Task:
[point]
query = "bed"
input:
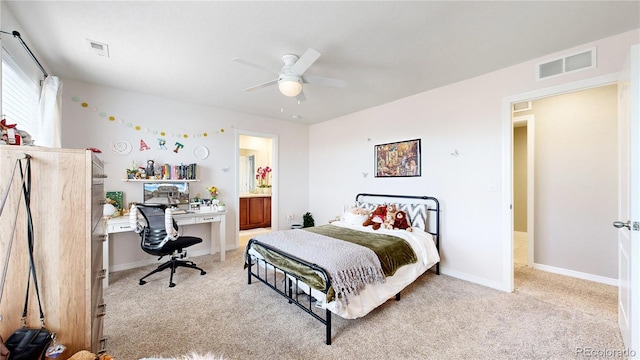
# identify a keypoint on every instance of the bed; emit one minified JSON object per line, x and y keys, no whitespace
{"x":345,"y":268}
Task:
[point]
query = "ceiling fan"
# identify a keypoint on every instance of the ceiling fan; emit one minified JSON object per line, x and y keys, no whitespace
{"x":291,"y":76}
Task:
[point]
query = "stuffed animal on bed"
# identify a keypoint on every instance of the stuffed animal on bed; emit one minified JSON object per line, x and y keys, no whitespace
{"x":391,"y":216}
{"x":376,"y":218}
{"x":354,"y":216}
{"x":401,"y":221}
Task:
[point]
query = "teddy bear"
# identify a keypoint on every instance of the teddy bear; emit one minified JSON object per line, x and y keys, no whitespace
{"x":376,"y":218}
{"x":401,"y":222}
{"x":391,"y":216}
{"x":353,"y":216}
{"x":12,"y":137}
{"x":86,"y":355}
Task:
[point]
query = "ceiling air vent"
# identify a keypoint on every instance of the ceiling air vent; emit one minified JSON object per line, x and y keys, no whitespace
{"x":98,"y":48}
{"x":582,"y":60}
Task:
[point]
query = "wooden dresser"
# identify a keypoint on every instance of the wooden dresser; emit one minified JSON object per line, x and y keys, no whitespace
{"x":66,"y":204}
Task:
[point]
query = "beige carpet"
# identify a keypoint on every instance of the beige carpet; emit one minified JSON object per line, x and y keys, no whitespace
{"x":549,"y":316}
{"x":246,"y":235}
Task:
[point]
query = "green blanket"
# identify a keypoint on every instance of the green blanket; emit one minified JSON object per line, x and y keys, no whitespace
{"x":392,"y":252}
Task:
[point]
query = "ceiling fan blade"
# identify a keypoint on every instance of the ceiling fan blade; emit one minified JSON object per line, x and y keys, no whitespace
{"x":249,"y":63}
{"x":317,"y":80}
{"x":301,"y":97}
{"x":263,"y":85}
{"x":305,"y":61}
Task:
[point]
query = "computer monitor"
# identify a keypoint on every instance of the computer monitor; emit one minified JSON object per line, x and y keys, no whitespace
{"x":170,"y":193}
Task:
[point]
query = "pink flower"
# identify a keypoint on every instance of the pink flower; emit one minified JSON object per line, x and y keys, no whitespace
{"x":262,"y":176}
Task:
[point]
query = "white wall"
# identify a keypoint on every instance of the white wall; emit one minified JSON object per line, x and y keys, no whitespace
{"x":576,"y":193}
{"x":15,"y":48}
{"x":90,"y":127}
{"x":466,"y":116}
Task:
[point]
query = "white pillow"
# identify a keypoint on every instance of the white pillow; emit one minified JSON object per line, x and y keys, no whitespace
{"x":354,"y":219}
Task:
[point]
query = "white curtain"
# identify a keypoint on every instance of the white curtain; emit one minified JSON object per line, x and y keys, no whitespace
{"x":50,"y":113}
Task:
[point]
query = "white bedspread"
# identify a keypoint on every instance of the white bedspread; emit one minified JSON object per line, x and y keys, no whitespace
{"x":373,"y":296}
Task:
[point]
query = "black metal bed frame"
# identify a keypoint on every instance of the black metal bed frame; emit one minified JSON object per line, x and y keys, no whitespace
{"x":286,"y":283}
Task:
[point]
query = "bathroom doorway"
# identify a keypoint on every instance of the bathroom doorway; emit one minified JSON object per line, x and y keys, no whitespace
{"x":256,"y":184}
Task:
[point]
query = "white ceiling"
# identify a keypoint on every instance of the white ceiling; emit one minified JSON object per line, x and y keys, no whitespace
{"x":384,"y":50}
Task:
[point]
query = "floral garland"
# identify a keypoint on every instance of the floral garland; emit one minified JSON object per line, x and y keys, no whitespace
{"x":112,"y":118}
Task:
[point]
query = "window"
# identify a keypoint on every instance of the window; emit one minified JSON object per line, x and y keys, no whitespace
{"x":20,"y":95}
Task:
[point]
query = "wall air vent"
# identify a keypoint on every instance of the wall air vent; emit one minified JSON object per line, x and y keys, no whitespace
{"x":98,"y":48}
{"x":581,"y":60}
{"x":521,"y":106}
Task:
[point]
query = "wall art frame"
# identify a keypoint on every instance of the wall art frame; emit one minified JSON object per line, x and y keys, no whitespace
{"x":398,"y":159}
{"x":117,"y":197}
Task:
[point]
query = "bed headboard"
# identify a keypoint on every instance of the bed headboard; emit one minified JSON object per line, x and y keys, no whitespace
{"x":416,"y":206}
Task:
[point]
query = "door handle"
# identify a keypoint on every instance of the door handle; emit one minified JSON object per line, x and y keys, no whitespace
{"x":620,"y":224}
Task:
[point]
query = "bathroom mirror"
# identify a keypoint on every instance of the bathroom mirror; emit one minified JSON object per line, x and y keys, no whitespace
{"x":254,"y":152}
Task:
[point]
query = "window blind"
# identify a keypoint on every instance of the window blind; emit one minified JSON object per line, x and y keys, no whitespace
{"x":20,"y":95}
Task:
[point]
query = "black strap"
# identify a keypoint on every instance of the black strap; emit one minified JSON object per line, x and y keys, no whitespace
{"x":26,"y":191}
{"x":3,"y":201}
{"x":5,"y":195}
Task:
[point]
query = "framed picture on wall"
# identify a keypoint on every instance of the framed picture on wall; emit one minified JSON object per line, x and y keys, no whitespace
{"x":398,"y":159}
{"x":117,"y":197}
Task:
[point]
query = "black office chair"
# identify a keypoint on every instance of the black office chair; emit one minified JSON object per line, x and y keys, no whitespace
{"x":159,"y":236}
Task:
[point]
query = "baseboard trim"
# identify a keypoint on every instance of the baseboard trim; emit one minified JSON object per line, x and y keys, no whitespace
{"x":474,"y":279}
{"x":577,"y":274}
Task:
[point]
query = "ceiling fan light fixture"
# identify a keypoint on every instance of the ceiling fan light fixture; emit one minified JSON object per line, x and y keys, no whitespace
{"x":290,"y":85}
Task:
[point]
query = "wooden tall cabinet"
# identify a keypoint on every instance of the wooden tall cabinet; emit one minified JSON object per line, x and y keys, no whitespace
{"x":66,"y":205}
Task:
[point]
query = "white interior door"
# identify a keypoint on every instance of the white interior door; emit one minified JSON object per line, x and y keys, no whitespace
{"x":628,"y":221}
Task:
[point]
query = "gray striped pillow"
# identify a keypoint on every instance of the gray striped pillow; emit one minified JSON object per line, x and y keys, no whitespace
{"x":417,"y":214}
{"x":366,"y":205}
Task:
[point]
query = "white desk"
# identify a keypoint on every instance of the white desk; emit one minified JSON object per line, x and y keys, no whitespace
{"x":121,"y":224}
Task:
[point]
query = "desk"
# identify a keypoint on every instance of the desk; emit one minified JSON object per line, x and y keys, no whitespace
{"x":121,"y":224}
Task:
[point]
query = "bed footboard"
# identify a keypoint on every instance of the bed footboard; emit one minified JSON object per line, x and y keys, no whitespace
{"x":288,"y":283}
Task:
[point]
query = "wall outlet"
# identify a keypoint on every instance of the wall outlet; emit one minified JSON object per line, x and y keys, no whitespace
{"x":494,"y":186}
{"x":289,"y":218}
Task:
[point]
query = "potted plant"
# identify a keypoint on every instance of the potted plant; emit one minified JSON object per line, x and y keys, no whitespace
{"x":214,"y":192}
{"x":131,"y":173}
{"x":262,"y":176}
{"x":307,"y":220}
{"x":222,"y":206}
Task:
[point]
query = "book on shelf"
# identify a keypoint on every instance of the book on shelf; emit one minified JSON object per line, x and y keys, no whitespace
{"x":179,"y":172}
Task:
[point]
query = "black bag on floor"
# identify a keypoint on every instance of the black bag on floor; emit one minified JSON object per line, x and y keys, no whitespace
{"x":28,"y":344}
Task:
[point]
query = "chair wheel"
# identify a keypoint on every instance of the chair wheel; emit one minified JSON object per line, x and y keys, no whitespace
{"x":172,"y":284}
{"x":142,"y":282}
{"x":202,"y":272}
